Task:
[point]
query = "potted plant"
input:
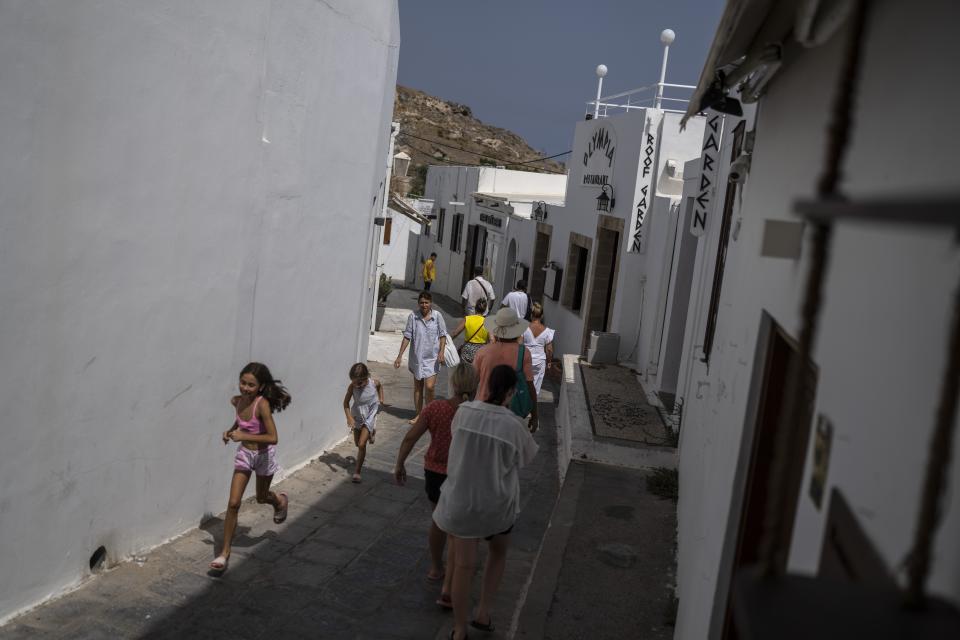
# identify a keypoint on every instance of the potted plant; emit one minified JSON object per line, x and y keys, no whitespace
{"x":386,"y":287}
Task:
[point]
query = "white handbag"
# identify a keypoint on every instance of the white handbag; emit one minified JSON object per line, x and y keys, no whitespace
{"x":450,"y":356}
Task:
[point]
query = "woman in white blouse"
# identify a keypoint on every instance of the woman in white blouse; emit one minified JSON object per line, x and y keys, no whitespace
{"x":481,"y":496}
{"x":538,"y":339}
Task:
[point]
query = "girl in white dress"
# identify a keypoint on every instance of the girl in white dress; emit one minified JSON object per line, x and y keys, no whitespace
{"x":367,"y":396}
{"x":538,"y":339}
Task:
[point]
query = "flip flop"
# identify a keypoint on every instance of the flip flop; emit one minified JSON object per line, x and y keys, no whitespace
{"x":220,"y":563}
{"x":445,"y":601}
{"x":279,"y":515}
{"x":355,"y":479}
{"x":483,"y":627}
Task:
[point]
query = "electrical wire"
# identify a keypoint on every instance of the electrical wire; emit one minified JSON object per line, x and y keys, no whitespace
{"x":482,"y":155}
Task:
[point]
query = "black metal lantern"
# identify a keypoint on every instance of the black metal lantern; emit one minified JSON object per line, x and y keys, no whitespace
{"x":605,"y":202}
{"x":540,"y":211}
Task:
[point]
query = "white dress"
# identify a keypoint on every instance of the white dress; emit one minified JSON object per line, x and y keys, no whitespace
{"x":538,"y":354}
{"x":366,"y":406}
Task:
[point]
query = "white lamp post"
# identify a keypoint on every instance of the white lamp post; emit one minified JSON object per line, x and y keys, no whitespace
{"x":601,"y":71}
{"x":667,"y":36}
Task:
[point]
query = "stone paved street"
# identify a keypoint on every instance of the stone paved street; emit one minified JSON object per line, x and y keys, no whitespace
{"x":350,"y":561}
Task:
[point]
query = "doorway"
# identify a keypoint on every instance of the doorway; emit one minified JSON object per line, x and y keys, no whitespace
{"x":510,"y":276}
{"x":491,"y":256}
{"x":604,"y":279}
{"x":474,"y":253}
{"x":776,"y":351}
{"x":538,"y":274}
{"x":683,"y":260}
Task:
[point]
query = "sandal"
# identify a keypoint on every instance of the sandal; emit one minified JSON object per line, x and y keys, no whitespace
{"x":355,"y":479}
{"x":435,"y":578}
{"x":279,"y":515}
{"x":445,"y":601}
{"x":483,"y":627}
{"x":220,"y":563}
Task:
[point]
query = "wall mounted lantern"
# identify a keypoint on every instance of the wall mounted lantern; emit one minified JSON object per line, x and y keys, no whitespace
{"x":605,"y":202}
{"x":401,"y":163}
{"x":540,"y":210}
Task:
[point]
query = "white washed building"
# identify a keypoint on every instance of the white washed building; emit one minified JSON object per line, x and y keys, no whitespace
{"x":477,"y":209}
{"x":184,"y":187}
{"x":873,"y":384}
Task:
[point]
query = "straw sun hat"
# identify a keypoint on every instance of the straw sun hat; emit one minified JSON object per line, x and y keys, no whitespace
{"x":506,"y":325}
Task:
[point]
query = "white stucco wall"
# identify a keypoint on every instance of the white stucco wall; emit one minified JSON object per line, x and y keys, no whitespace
{"x":181,"y":189}
{"x":445,"y":182}
{"x":881,"y":348}
{"x":399,"y":257}
{"x":638,"y":286}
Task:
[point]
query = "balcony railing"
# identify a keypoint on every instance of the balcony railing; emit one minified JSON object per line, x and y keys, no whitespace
{"x":651,"y":96}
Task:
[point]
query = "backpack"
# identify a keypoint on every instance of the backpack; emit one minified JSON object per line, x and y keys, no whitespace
{"x":522,"y":403}
{"x":485,"y":296}
{"x":529,"y":314}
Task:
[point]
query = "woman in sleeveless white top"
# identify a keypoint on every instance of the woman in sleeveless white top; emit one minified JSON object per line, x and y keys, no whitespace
{"x":539,"y":346}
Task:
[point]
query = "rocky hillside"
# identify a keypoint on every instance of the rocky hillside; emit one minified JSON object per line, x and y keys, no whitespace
{"x":435,"y":131}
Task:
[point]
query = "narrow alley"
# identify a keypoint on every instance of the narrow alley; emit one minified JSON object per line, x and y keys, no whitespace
{"x":350,"y":561}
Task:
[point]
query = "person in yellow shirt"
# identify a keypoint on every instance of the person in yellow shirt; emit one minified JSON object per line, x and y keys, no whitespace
{"x":475,"y":334}
{"x":429,"y":271}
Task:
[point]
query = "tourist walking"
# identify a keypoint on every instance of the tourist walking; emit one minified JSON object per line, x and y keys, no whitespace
{"x":260,"y":396}
{"x":481,"y":496}
{"x":538,"y":339}
{"x":426,"y":335}
{"x":508,"y":349}
{"x":518,"y":300}
{"x":477,"y":288}
{"x":367,"y":396}
{"x":436,"y":418}
{"x":429,"y":271}
{"x":476,"y":334}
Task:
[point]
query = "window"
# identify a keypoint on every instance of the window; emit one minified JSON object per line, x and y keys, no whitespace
{"x":725,"y":224}
{"x":387,"y":228}
{"x":443,"y":217}
{"x":456,"y":233}
{"x":578,"y":256}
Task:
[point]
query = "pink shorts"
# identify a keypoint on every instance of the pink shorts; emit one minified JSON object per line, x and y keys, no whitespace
{"x":262,"y":463}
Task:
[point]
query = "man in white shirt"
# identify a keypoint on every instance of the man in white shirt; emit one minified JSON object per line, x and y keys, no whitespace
{"x":518,"y":300}
{"x":476,"y":289}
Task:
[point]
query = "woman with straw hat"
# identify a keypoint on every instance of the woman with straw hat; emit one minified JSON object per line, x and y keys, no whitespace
{"x":507,"y":330}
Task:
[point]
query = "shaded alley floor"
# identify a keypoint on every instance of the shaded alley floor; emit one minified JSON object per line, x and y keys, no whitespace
{"x":349,"y":562}
{"x":607,"y":564}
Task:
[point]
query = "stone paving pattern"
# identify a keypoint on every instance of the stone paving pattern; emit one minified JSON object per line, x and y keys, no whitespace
{"x":618,"y":406}
{"x":349,"y":562}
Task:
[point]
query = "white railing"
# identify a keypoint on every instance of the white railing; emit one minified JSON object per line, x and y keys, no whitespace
{"x":650,"y":96}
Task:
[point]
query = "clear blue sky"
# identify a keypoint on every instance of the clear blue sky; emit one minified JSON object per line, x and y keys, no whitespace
{"x":528,"y":65}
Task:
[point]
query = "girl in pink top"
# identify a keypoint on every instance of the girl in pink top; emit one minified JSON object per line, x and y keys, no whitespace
{"x":436,"y":418}
{"x":260,"y":395}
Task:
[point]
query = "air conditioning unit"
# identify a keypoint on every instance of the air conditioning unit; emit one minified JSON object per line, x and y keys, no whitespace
{"x":603,"y":347}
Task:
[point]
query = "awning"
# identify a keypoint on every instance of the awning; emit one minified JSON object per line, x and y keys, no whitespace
{"x":399,"y":205}
{"x":753,"y":40}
